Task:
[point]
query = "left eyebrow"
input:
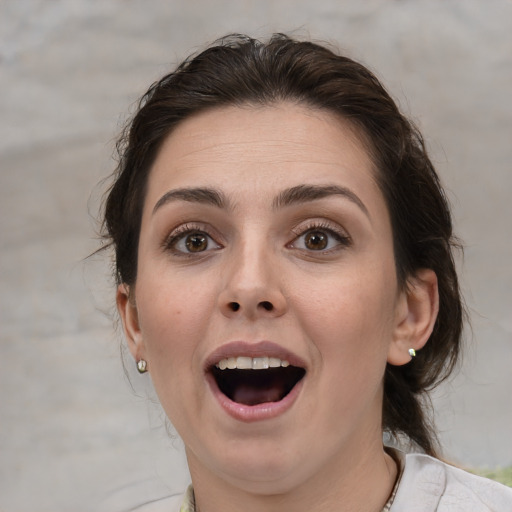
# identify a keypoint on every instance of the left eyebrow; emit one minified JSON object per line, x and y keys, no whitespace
{"x":306,"y":193}
{"x":200,"y":195}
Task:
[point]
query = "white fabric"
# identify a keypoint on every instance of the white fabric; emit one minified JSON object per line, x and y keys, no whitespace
{"x":429,"y":485}
{"x":426,"y":485}
{"x":169,"y":504}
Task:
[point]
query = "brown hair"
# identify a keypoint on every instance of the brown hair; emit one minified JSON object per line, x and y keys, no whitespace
{"x":239,"y":70}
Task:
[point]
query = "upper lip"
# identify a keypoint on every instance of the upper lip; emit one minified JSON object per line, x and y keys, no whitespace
{"x":249,"y":349}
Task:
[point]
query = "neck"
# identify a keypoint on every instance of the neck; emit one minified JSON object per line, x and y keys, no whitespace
{"x":359,"y":482}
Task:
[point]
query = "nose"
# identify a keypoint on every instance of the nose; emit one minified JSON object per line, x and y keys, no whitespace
{"x":252,"y":287}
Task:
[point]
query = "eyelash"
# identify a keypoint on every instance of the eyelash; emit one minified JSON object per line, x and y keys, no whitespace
{"x":180,"y":233}
{"x":340,"y":236}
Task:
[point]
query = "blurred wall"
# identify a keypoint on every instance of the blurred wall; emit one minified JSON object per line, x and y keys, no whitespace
{"x":73,"y":434}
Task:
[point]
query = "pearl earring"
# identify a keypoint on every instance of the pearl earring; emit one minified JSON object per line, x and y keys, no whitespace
{"x":142,"y":366}
{"x":412,"y":352}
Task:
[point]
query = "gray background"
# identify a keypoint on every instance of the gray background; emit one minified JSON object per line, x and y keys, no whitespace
{"x":73,"y":434}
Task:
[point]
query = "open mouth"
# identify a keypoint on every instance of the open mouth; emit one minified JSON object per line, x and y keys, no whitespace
{"x":258,"y":380}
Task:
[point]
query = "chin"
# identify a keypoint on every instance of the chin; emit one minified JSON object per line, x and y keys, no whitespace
{"x":261,"y":467}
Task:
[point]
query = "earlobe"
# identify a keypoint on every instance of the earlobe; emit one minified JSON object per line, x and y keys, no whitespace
{"x":417,"y":310}
{"x":130,"y":319}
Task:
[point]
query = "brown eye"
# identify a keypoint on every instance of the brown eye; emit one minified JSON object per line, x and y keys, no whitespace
{"x":316,"y":240}
{"x":320,"y":239}
{"x":196,"y":242}
{"x":191,"y":242}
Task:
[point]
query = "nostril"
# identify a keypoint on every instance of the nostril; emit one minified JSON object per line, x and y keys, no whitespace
{"x":234,"y":306}
{"x":268,"y":306}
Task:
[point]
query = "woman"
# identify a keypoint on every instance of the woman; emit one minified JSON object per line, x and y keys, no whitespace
{"x":283,"y":254}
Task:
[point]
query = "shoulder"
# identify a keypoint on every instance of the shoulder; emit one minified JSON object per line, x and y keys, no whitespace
{"x":429,"y":485}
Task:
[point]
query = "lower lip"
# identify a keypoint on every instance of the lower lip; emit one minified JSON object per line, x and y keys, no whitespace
{"x":252,"y":413}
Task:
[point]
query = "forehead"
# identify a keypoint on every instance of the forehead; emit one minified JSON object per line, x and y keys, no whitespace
{"x":256,"y":148}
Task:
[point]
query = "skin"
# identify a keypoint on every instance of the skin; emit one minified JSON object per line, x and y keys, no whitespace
{"x":338,"y":308}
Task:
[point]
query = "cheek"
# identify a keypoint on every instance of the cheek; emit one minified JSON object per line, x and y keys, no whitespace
{"x":174,"y":317}
{"x":350,"y":321}
{"x":173,"y":314}
{"x":357,"y":301}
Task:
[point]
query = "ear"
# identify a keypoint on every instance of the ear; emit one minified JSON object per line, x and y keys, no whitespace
{"x":130,"y":319}
{"x":417,"y":310}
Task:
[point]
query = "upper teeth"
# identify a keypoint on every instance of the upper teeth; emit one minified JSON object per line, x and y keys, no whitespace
{"x":251,"y":363}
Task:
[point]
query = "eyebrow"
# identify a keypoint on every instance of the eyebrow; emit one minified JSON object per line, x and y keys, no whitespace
{"x":294,"y":195}
{"x":208,"y":196}
{"x":306,"y":193}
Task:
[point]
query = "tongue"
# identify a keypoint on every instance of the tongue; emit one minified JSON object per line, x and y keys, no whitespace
{"x":250,"y":395}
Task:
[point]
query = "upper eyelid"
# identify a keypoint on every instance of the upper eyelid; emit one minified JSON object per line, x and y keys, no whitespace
{"x":298,"y":230}
{"x":188,"y":227}
{"x":335,"y":231}
{"x":320,"y":224}
{"x":191,"y":226}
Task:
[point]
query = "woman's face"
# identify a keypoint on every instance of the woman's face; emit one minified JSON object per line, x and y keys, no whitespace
{"x":266,"y":242}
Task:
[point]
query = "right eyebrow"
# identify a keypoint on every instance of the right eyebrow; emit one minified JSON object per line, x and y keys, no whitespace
{"x":193,"y":195}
